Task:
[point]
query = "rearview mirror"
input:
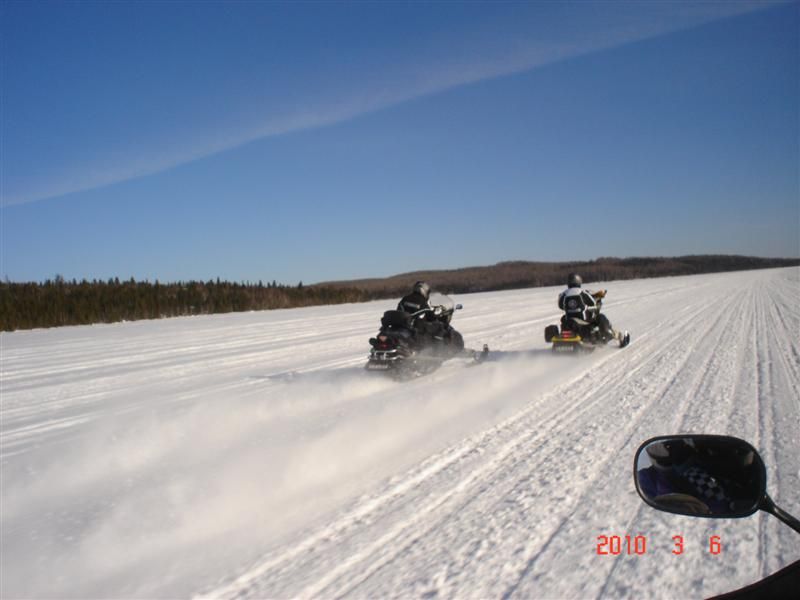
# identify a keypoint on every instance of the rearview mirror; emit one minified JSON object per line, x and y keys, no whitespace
{"x":700,"y":475}
{"x":459,"y":307}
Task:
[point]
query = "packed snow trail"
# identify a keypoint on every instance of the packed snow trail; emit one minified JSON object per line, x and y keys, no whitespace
{"x":249,"y":456}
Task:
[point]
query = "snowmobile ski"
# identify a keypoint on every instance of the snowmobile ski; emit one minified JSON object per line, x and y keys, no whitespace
{"x":625,"y":339}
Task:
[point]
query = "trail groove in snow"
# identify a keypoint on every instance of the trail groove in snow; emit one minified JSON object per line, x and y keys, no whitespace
{"x":249,"y":456}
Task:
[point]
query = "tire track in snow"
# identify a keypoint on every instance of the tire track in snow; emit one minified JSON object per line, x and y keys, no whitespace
{"x":766,"y":426}
{"x":660,"y":409}
{"x":362,"y":512}
{"x":515,"y":504}
{"x":782,"y":428}
{"x":714,"y":389}
{"x":424,"y":535}
{"x":320,"y":588}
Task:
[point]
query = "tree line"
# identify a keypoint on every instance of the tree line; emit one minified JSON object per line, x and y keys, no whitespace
{"x":59,"y":302}
{"x":526,"y":274}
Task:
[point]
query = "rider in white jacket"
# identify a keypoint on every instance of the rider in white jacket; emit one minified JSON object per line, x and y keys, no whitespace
{"x":582,"y":304}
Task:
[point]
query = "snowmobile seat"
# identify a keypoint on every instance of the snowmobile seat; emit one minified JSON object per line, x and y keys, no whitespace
{"x":394,"y":319}
{"x":573,"y":322}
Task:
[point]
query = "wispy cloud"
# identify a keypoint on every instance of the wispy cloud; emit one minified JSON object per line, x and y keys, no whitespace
{"x":444,"y":71}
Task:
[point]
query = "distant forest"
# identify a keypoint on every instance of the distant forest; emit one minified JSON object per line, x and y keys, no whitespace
{"x":60,"y":302}
{"x":523,"y":274}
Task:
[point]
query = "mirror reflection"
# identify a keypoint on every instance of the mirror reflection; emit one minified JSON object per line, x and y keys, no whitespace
{"x":712,"y":476}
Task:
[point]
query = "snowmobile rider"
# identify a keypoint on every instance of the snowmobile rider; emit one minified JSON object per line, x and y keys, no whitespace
{"x":429,"y":324}
{"x":583,"y":304}
{"x":417,"y":300}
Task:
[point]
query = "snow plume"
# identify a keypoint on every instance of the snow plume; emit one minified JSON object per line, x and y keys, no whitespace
{"x":164,"y":481}
{"x":231,"y":474}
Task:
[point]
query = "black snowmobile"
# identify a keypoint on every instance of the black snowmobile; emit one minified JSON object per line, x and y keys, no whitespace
{"x":579,"y":334}
{"x":414,"y":344}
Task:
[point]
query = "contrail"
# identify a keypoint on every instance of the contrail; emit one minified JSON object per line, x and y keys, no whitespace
{"x":407,"y":84}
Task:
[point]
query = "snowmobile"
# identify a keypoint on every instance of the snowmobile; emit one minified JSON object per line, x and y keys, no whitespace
{"x":713,"y":476}
{"x":414,"y":344}
{"x":578,"y":334}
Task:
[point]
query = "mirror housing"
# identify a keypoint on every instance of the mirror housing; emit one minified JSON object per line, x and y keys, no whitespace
{"x":712,"y":476}
{"x":459,"y":306}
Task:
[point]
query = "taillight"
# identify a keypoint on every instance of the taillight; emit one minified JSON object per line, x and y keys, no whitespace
{"x":384,"y":342}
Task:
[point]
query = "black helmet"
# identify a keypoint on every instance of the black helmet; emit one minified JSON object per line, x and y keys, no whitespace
{"x":423,"y":289}
{"x":574,"y":280}
{"x":669,"y":453}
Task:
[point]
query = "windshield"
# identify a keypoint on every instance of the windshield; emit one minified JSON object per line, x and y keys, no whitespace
{"x":437,"y":299}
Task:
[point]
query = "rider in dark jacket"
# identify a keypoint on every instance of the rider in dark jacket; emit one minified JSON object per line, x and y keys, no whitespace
{"x":430,"y":323}
{"x":417,"y":300}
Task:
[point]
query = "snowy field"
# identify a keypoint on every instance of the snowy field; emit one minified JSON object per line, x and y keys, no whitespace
{"x":250,"y":456}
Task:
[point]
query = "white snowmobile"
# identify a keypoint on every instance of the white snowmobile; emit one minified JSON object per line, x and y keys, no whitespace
{"x":583,"y":328}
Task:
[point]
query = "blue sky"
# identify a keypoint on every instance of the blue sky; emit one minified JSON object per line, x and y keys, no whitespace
{"x":329,"y":140}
